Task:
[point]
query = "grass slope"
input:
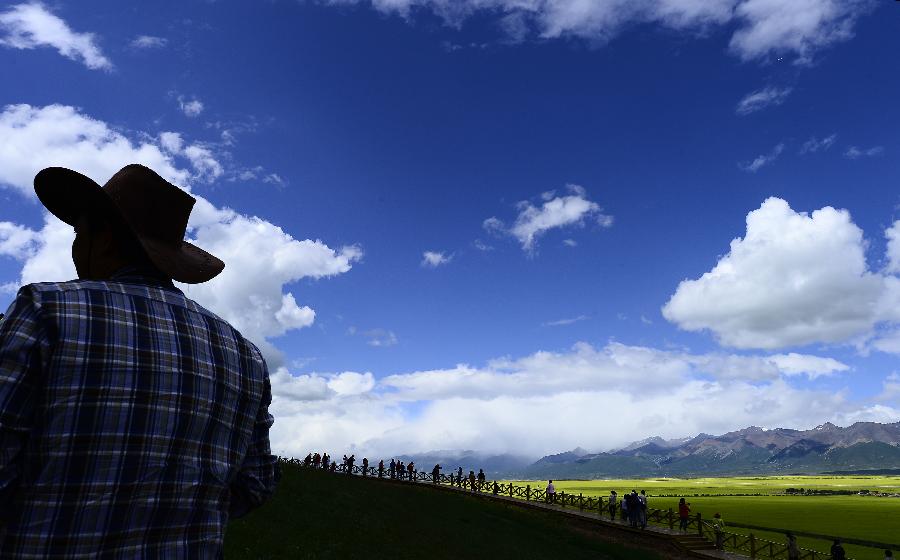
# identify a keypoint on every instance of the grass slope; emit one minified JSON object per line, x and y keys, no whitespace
{"x":861,"y":517}
{"x":321,"y":515}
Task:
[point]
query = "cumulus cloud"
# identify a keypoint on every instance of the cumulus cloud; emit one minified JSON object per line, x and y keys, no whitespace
{"x":556,"y":212}
{"x":854,"y":152}
{"x":35,"y":137}
{"x":793,"y":279}
{"x":261,"y":259}
{"x":31,"y":25}
{"x":762,"y":98}
{"x":763,"y":27}
{"x":17,"y":241}
{"x":149,"y":42}
{"x":762,"y":160}
{"x":434,"y":259}
{"x":533,"y":402}
{"x":190,"y":107}
{"x":814,"y":145}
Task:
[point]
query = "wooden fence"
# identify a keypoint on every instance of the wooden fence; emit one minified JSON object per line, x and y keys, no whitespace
{"x":745,"y":544}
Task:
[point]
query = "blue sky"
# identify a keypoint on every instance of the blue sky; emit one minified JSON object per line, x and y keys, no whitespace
{"x":465,"y":225}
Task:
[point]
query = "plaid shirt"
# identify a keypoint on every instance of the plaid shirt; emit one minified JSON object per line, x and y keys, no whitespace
{"x":133,"y":422}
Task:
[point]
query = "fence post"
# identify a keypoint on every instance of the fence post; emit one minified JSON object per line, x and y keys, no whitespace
{"x":671,"y":520}
{"x":581,"y":501}
{"x":699,"y":524}
{"x":600,"y":505}
{"x":562,"y":500}
{"x":752,"y":546}
{"x":527,"y":492}
{"x":510,"y":490}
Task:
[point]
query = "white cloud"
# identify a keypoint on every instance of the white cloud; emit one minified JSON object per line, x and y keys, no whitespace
{"x":16,"y":241}
{"x":760,"y":99}
{"x":570,"y":243}
{"x":854,"y":152}
{"x":351,"y":383}
{"x":812,"y":366}
{"x":31,"y":25}
{"x":890,"y":388}
{"x":380,"y":338}
{"x":434,"y":259}
{"x":893,"y":248}
{"x":190,"y":107}
{"x":798,"y":27}
{"x":564,"y":322}
{"x":764,"y":28}
{"x":551,"y":401}
{"x":482,"y":246}
{"x":32,"y":138}
{"x":261,"y":259}
{"x":149,"y":42}
{"x":555,"y":212}
{"x":793,"y":279}
{"x":814,"y":145}
{"x":762,"y":160}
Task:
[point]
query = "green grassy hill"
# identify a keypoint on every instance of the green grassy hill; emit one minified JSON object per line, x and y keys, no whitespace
{"x":322,"y":515}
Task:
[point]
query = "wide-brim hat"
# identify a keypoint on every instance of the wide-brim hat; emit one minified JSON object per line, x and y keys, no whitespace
{"x":154,"y":210}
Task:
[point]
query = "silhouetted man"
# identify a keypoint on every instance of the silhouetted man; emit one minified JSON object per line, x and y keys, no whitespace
{"x":133,"y":422}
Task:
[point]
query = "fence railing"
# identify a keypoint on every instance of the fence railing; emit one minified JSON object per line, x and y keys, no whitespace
{"x":745,"y":544}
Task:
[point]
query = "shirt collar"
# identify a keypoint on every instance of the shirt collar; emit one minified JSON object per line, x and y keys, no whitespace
{"x":137,"y":275}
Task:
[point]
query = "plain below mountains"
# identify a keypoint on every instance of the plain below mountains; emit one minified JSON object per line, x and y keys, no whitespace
{"x":864,"y":447}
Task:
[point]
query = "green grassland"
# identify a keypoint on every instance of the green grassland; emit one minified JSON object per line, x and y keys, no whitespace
{"x":321,"y":515}
{"x":761,"y":501}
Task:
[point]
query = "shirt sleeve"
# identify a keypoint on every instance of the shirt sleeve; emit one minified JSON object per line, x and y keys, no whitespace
{"x":259,"y":474}
{"x":23,"y":342}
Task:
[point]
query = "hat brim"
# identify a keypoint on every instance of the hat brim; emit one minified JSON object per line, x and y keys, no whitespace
{"x":68,"y":194}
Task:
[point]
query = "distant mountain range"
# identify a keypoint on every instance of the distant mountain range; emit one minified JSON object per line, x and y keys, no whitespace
{"x":864,"y":446}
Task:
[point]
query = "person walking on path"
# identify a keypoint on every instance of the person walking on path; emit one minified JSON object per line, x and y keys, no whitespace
{"x":719,"y":529}
{"x":459,"y":477}
{"x":393,"y":468}
{"x":411,"y":469}
{"x":325,"y":459}
{"x":837,"y":551}
{"x":623,"y":507}
{"x":792,"y":549}
{"x":365,"y":466}
{"x":472,"y":481}
{"x":642,"y":515}
{"x":317,"y":459}
{"x":684,"y":513}
{"x":480,"y":479}
{"x":613,"y":498}
{"x":435,"y":474}
{"x":381,"y":468}
{"x":551,"y":492}
{"x":133,"y":421}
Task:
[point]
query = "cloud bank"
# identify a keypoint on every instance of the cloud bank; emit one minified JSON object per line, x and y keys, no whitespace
{"x":764,"y":28}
